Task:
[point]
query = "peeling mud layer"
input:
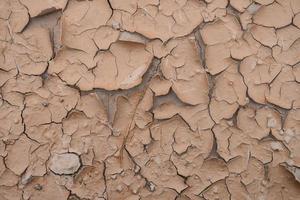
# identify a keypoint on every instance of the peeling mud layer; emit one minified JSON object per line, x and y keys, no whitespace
{"x":149,"y":99}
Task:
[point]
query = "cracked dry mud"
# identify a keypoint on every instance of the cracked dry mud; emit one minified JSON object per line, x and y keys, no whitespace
{"x":150,"y":99}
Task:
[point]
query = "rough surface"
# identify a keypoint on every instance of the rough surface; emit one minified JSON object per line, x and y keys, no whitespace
{"x":149,"y":99}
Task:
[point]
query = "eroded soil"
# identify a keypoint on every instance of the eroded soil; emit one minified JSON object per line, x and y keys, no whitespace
{"x":149,"y":99}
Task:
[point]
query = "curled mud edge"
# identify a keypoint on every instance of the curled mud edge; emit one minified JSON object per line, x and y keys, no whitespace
{"x":150,"y":99}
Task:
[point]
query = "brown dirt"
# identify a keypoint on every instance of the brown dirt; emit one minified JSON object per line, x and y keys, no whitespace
{"x":150,"y":99}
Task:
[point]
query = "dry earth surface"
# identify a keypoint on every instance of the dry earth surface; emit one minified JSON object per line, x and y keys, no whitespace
{"x":149,"y":99}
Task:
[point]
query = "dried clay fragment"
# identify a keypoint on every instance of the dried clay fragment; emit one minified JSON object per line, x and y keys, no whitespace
{"x":275,"y":15}
{"x":295,"y":171}
{"x":154,"y":19}
{"x":30,"y":51}
{"x":122,"y":67}
{"x":67,"y":163}
{"x":229,"y":92}
{"x":184,"y":70}
{"x":19,"y":154}
{"x":46,"y":187}
{"x":80,"y":22}
{"x":37,"y":8}
{"x":15,"y":13}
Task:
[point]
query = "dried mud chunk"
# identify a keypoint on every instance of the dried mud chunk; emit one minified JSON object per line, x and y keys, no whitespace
{"x":240,"y":5}
{"x":261,"y":151}
{"x":245,"y":19}
{"x":255,"y":172}
{"x":290,"y":56}
{"x":183,"y":62}
{"x":89,"y":183}
{"x":32,"y":50}
{"x":11,"y":126}
{"x":232,"y":142}
{"x":195,"y":188}
{"x":164,"y":194}
{"x":155,"y":165}
{"x":258,"y":74}
{"x":2,"y":166}
{"x":128,"y":185}
{"x":108,"y":146}
{"x":236,"y":188}
{"x":10,"y":193}
{"x":264,"y":35}
{"x":132,"y":37}
{"x":38,"y":161}
{"x":35,"y":112}
{"x":296,"y":71}
{"x":282,"y":184}
{"x":158,"y":21}
{"x":264,"y":2}
{"x":290,"y":135}
{"x":19,"y":154}
{"x":183,"y":68}
{"x":82,"y":130}
{"x":287,"y":36}
{"x":139,"y":139}
{"x":143,"y":117}
{"x":221,"y":110}
{"x":125,"y":112}
{"x":37,"y":8}
{"x":4,"y":33}
{"x":5,"y":9}
{"x":105,"y":36}
{"x":9,"y":178}
{"x":274,"y":15}
{"x":197,"y":117}
{"x":122,"y":67}
{"x":169,"y":179}
{"x":217,"y":58}
{"x":213,"y":170}
{"x":295,"y":6}
{"x":160,"y":86}
{"x":241,"y":49}
{"x":80,"y":21}
{"x":45,"y":187}
{"x":92,"y":106}
{"x":50,"y":103}
{"x":258,"y":123}
{"x":160,"y":49}
{"x":6,"y":75}
{"x":49,"y":134}
{"x":217,"y":190}
{"x":67,"y":163}
{"x":284,"y":90}
{"x":129,"y":6}
{"x":192,"y":151}
{"x":193,"y":91}
{"x":15,"y":13}
{"x":214,"y":9}
{"x":185,"y":138}
{"x":295,"y":171}
{"x":221,"y":31}
{"x":229,"y":91}
{"x":74,"y":67}
{"x":296,"y":20}
{"x":21,"y":84}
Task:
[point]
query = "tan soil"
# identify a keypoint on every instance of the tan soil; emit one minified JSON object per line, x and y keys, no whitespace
{"x":150,"y":99}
